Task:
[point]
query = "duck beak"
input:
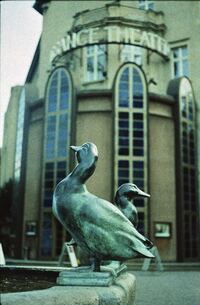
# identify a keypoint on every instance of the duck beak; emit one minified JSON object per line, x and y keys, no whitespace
{"x":75,"y":148}
{"x":142,"y":194}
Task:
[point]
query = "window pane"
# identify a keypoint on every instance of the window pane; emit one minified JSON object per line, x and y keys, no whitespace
{"x":62,"y":135}
{"x":138,"y":125}
{"x":96,"y":62}
{"x":64,"y":96}
{"x":90,"y":50}
{"x":90,"y":68}
{"x":123,"y":141}
{"x":139,"y":143}
{"x":138,"y":174}
{"x":123,"y":115}
{"x":137,"y":90}
{"x":139,"y":202}
{"x":46,"y":235}
{"x":138,"y":134}
{"x":123,"y":163}
{"x":123,"y":97}
{"x":180,"y":61}
{"x":138,"y":152}
{"x":125,"y":76}
{"x":138,"y":164}
{"x":176,"y":69}
{"x":185,"y":67}
{"x":122,"y":181}
{"x":138,"y":116}
{"x":140,"y":227}
{"x":49,"y":175}
{"x":183,"y":106}
{"x":47,"y":203}
{"x":124,"y":89}
{"x":123,"y":173}
{"x":123,"y":124}
{"x":146,"y":4}
{"x":101,"y":66}
{"x":124,"y":151}
{"x":139,"y":183}
{"x":184,"y":51}
{"x":49,"y":166}
{"x":176,"y":53}
{"x":61,"y":165}
{"x":50,"y":137}
{"x":53,"y":89}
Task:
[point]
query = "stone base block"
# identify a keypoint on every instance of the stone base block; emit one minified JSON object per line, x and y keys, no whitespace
{"x":122,"y":292}
{"x":84,"y":276}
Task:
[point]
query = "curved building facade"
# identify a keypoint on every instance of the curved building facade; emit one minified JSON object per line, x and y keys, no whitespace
{"x":124,"y":75}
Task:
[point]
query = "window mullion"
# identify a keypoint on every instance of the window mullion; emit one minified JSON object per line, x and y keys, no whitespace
{"x":57,"y":115}
{"x":131,"y":122}
{"x":95,"y":62}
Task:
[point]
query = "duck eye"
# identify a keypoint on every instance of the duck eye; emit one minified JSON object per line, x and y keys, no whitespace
{"x":96,"y":158}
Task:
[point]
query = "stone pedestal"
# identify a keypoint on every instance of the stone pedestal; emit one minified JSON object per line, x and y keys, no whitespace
{"x":122,"y":292}
{"x":84,"y":276}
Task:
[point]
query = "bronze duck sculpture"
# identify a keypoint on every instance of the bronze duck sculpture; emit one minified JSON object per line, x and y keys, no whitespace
{"x":123,"y":200}
{"x":95,"y":224}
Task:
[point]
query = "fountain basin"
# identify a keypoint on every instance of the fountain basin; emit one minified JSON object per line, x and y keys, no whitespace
{"x":41,"y":283}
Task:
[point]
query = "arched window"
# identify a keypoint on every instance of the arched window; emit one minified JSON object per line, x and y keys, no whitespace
{"x":19,"y":137}
{"x":131,"y":133}
{"x":188,"y":168}
{"x":56,"y":144}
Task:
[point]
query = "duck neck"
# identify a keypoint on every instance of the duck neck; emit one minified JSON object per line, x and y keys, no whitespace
{"x":123,"y":202}
{"x":84,"y":170}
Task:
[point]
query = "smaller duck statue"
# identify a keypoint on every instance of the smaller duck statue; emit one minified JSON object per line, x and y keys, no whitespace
{"x":96,"y":225}
{"x":124,"y":197}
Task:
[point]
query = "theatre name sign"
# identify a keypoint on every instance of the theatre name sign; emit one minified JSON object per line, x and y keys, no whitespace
{"x":108,"y":35}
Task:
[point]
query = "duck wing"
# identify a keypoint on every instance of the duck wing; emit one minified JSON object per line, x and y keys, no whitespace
{"x":106,"y":231}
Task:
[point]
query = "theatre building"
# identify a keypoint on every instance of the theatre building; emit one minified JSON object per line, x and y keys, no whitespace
{"x":124,"y":75}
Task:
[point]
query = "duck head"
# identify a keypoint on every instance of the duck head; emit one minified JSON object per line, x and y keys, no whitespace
{"x":129,"y":191}
{"x":86,"y":153}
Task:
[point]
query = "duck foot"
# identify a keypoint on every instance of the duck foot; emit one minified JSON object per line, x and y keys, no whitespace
{"x":96,"y":265}
{"x":114,"y":267}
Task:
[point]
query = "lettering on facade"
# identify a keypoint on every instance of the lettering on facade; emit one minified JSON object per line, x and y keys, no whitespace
{"x":110,"y":34}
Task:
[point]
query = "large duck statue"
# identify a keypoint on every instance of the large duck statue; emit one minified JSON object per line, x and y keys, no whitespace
{"x":96,"y":225}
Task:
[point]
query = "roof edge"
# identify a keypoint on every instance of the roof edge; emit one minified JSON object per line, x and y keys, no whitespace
{"x":38,"y":5}
{"x":33,"y":63}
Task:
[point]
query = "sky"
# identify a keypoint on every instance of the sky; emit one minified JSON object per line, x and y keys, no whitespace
{"x":21,"y":27}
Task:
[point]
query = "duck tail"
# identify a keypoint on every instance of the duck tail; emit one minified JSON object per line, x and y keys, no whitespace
{"x":146,"y":250}
{"x":148,"y":244}
{"x":142,"y":251}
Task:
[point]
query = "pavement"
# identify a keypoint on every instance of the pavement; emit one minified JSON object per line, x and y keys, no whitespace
{"x":167,"y":288}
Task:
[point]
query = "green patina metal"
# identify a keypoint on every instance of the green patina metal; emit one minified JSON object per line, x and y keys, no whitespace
{"x":96,"y":225}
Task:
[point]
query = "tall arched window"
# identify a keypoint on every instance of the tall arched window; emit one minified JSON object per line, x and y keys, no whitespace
{"x":19,"y":174}
{"x":56,"y":159}
{"x":131,"y":133}
{"x":188,"y":169}
{"x":19,"y":136}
